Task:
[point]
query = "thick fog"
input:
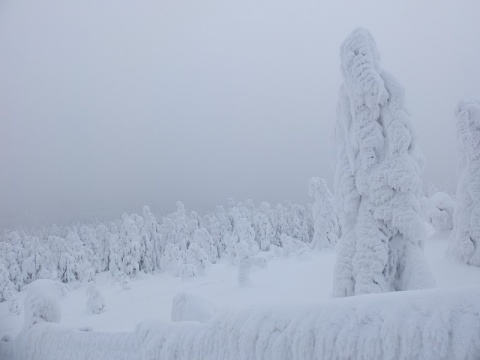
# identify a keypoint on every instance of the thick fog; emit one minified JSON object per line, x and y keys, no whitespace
{"x":109,"y":105}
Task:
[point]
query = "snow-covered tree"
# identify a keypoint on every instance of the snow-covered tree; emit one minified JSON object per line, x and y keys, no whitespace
{"x":91,"y":247}
{"x":324,"y":217}
{"x":102,"y":236}
{"x":9,"y":258}
{"x":7,"y":288}
{"x":78,"y":258}
{"x":202,"y":238}
{"x":264,"y":232}
{"x":465,"y":237}
{"x":38,"y":264}
{"x":155,"y":237}
{"x":197,"y":257}
{"x":377,"y":179}
{"x":172,"y":259}
{"x":147,"y":251}
{"x":130,"y":246}
{"x":244,"y":231}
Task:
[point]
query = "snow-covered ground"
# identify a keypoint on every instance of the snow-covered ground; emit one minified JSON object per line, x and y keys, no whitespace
{"x":304,"y":279}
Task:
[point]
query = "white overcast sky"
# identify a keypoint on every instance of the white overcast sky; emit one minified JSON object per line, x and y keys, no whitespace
{"x":108,"y":105}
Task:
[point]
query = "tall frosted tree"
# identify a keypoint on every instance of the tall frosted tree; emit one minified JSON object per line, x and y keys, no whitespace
{"x":465,"y":237}
{"x":377,"y":179}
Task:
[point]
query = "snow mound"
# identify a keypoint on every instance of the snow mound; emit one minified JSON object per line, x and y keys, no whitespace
{"x":40,"y":304}
{"x":424,"y":324}
{"x":188,"y":307}
{"x":95,"y":300}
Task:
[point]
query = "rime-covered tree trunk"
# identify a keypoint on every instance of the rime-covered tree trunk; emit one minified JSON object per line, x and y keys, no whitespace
{"x":465,"y":237}
{"x":377,"y":179}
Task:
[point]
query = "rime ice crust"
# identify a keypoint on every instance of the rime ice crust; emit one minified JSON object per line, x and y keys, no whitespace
{"x":377,"y":179}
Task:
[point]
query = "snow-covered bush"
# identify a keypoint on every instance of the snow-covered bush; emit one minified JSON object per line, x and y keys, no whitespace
{"x":95,"y":300}
{"x":377,"y":179}
{"x":324,"y":217}
{"x":40,"y":306}
{"x":188,"y":307}
{"x":438,"y":211}
{"x":465,"y":238}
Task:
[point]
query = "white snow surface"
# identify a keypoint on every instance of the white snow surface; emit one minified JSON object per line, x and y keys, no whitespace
{"x":287,"y":287}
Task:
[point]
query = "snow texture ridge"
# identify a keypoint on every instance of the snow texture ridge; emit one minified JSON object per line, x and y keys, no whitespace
{"x":465,"y":237}
{"x":377,"y":179}
{"x":48,"y":341}
{"x":426,"y":324}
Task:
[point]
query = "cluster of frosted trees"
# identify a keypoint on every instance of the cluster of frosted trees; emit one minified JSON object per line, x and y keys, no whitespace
{"x":182,"y":244}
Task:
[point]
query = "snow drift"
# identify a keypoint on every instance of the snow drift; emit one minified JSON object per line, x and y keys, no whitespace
{"x":424,"y":324}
